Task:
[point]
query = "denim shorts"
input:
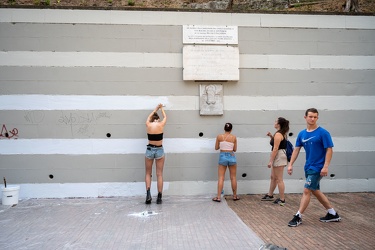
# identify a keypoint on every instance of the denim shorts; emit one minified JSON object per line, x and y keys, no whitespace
{"x":153,"y":152}
{"x":312,"y":180}
{"x":227,"y":159}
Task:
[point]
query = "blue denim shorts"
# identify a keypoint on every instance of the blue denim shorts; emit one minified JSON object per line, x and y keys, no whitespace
{"x":153,"y":152}
{"x":227,"y":159}
{"x":312,"y":180}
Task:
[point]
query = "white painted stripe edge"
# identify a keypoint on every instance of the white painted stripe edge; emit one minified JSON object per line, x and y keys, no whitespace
{"x":240,"y":103}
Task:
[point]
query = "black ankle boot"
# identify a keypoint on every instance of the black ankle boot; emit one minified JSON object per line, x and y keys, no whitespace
{"x":148,"y":197}
{"x":159,"y":201}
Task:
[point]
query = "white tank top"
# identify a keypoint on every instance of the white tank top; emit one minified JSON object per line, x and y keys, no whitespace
{"x":226,"y":145}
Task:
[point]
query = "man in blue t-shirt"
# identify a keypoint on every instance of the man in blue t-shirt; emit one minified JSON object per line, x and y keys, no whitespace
{"x":318,"y":145}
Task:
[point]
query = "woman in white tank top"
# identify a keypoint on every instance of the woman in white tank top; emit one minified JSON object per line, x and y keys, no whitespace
{"x":227,"y":143}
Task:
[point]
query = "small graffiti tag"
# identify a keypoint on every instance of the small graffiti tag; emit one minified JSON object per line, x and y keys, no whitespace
{"x":11,"y":134}
{"x":82,"y":123}
{"x":82,"y":118}
{"x":34,"y":116}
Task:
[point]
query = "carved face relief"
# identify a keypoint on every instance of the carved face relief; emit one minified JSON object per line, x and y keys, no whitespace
{"x":211,"y":99}
{"x":210,"y":91}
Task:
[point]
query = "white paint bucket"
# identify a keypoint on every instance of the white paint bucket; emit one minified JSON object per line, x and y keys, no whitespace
{"x":10,"y":195}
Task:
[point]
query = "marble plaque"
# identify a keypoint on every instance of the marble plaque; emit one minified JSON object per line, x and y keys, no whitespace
{"x":210,"y":63}
{"x":211,"y":99}
{"x":198,"y":34}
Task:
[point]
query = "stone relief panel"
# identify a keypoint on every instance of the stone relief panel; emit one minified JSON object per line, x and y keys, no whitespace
{"x":211,"y":99}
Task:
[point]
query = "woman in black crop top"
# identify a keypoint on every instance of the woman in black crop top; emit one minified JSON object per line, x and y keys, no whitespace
{"x":155,"y":151}
{"x":278,"y":160}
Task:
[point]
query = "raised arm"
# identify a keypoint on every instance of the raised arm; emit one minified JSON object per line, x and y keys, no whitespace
{"x":164,"y":121}
{"x":270,"y":135}
{"x":151,"y":114}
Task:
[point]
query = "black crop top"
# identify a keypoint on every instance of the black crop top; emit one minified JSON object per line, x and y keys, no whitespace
{"x":282,"y":143}
{"x":155,"y":137}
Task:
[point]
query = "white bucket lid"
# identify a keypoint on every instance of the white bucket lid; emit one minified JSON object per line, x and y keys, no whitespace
{"x":10,"y":188}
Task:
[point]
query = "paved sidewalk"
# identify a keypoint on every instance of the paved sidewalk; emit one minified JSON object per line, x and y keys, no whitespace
{"x":124,"y":223}
{"x":186,"y":223}
{"x":270,"y":221}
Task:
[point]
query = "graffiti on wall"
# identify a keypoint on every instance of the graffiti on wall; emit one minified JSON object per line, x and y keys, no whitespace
{"x":36,"y":116}
{"x":8,"y":134}
{"x":82,"y":118}
{"x":82,"y":123}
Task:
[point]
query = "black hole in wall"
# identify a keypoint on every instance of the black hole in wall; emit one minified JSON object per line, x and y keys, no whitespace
{"x":108,"y":135}
{"x":332,"y":175}
{"x":200,"y":134}
{"x":290,"y":134}
{"x":244,"y":175}
{"x":51,"y":176}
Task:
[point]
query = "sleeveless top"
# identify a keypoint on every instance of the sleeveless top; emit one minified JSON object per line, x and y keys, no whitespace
{"x":226,"y":145}
{"x":155,"y":137}
{"x":282,"y":143}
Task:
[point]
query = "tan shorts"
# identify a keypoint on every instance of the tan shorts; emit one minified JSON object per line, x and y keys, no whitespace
{"x":280,"y":159}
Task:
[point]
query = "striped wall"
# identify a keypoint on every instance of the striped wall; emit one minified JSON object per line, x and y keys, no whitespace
{"x":76,"y":87}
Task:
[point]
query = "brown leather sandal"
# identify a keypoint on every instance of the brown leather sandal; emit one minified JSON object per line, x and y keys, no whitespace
{"x":216,"y":199}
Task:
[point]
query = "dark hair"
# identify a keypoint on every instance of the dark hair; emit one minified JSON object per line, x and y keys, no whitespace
{"x":284,"y":125}
{"x":312,"y":110}
{"x":228,"y":127}
{"x":154,"y":117}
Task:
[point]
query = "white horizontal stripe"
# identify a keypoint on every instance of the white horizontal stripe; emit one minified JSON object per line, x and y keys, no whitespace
{"x":174,"y":60}
{"x":76,"y":102}
{"x":171,"y":145}
{"x":185,"y":18}
{"x":84,"y":102}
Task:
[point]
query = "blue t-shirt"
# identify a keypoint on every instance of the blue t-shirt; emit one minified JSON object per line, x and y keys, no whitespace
{"x":315,"y":144}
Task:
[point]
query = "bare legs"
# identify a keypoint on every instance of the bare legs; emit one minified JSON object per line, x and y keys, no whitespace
{"x":233,"y":179}
{"x":306,"y":196}
{"x":277,"y":179}
{"x":159,"y":173}
{"x":148,"y":165}
{"x":220,"y":180}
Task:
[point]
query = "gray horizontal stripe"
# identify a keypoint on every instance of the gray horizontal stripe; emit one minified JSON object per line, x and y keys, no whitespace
{"x":67,"y":124}
{"x":181,"y":18}
{"x":174,"y":60}
{"x":178,"y":167}
{"x":168,"y":81}
{"x":168,"y":39}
